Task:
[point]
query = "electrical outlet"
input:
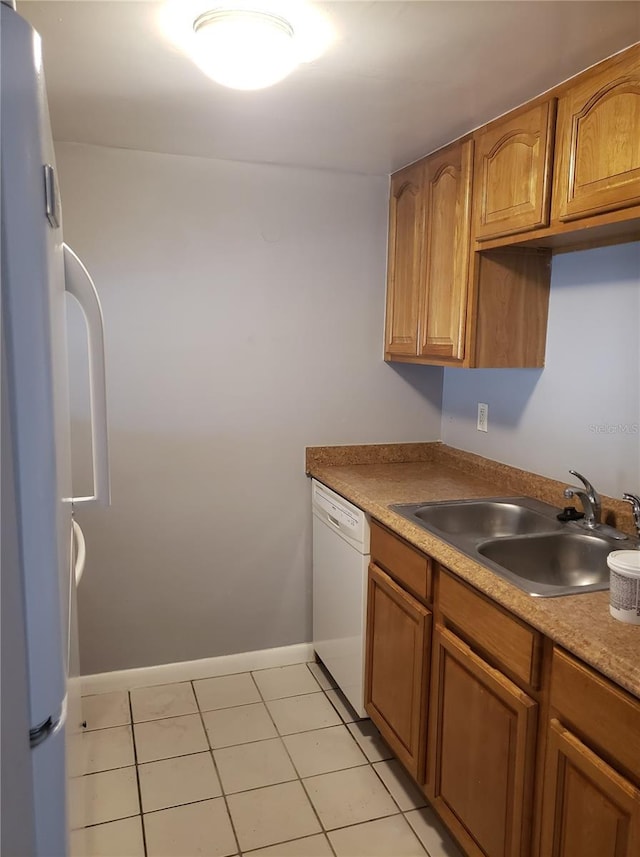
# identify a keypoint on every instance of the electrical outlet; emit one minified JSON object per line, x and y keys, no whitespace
{"x":483,"y":417}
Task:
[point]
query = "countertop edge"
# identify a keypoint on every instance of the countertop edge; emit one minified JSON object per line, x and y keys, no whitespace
{"x":526,"y":607}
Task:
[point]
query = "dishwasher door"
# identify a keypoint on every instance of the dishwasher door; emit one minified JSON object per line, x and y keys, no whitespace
{"x":340,"y":562}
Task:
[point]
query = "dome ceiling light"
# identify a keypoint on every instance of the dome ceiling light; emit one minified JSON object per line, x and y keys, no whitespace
{"x":245,"y":48}
{"x":247,"y":45}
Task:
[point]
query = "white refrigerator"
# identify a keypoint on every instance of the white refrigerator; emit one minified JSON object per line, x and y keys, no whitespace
{"x":42,"y":545}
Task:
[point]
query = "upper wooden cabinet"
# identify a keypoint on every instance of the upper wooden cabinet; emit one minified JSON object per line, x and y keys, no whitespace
{"x":404,"y":273}
{"x":443,"y":307}
{"x":597,"y":161}
{"x":447,"y":305}
{"x":457,"y":293}
{"x":512,"y":169}
{"x":428,"y":269}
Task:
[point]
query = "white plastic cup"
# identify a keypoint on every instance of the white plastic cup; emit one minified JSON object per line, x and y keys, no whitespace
{"x":624,"y":586}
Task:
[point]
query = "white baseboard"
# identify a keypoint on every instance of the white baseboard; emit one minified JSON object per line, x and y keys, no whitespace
{"x":190,"y":670}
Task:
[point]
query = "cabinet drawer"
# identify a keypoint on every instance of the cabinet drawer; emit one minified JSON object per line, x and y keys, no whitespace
{"x":605,"y":715}
{"x":512,"y":644}
{"x":403,"y":563}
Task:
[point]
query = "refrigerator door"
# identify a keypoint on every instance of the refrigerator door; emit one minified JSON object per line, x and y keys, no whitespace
{"x":75,"y":745}
{"x":33,"y":306}
{"x":17,"y":831}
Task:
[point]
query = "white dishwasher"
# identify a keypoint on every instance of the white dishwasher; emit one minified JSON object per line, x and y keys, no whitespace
{"x":340,"y":562}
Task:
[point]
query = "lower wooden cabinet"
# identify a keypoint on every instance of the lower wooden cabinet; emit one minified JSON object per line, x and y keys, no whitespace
{"x":589,"y":810}
{"x":521,"y":749}
{"x":481,"y":751}
{"x":397,"y":668}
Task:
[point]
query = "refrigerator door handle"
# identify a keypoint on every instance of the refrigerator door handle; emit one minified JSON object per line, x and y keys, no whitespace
{"x":81,"y":286}
{"x":81,"y":553}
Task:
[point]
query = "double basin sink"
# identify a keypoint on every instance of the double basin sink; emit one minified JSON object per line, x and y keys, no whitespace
{"x":521,"y":539}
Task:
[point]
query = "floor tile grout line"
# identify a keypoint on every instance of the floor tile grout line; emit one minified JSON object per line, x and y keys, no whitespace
{"x":392,"y":796}
{"x":192,"y":681}
{"x":320,"y":689}
{"x":111,"y":821}
{"x":311,"y":804}
{"x":278,"y":733}
{"x":215,"y":767}
{"x":331,"y":686}
{"x":135,"y":758}
{"x":342,"y":698}
{"x":344,"y":723}
{"x":299,"y":778}
{"x":324,"y":831}
{"x":367,"y":761}
{"x":107,"y":770}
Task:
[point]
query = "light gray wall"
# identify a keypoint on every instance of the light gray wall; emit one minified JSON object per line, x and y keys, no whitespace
{"x":583,"y":410}
{"x":244,"y":311}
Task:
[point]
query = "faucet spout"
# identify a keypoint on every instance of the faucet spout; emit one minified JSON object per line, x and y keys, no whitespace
{"x":635,"y":508}
{"x":589,"y":498}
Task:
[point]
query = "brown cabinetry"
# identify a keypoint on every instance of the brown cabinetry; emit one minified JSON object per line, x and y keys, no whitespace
{"x":404,"y":271}
{"x":428,"y":268}
{"x":563,"y":171}
{"x":397,"y":667}
{"x":591,"y":800}
{"x":449,"y":306}
{"x":589,"y":810}
{"x":481,"y":751}
{"x":521,"y":749}
{"x":443,"y":309}
{"x":512,"y":172}
{"x":597,"y":161}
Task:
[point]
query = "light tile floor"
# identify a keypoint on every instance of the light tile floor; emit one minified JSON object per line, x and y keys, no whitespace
{"x":272,"y":763}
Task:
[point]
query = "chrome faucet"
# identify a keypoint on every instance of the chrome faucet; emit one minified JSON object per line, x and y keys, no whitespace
{"x":635,"y":508}
{"x":590,"y":500}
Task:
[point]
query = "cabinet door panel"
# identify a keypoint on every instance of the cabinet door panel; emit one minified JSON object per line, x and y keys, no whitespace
{"x":481,"y":749}
{"x":513,"y":173}
{"x":396,"y":677}
{"x":598,"y":142}
{"x":447,"y":229}
{"x":589,"y":810}
{"x":406,"y":228}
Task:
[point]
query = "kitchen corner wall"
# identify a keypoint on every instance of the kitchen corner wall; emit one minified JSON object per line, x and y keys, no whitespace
{"x":583,"y":410}
{"x":243,"y":307}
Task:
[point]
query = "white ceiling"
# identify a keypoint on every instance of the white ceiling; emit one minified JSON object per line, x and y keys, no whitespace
{"x":402,"y":79}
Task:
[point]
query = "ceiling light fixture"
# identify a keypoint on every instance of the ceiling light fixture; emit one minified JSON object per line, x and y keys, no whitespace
{"x":247,"y":44}
{"x":245,"y":48}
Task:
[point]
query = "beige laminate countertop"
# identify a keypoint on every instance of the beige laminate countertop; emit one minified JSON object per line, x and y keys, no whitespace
{"x":580,"y":623}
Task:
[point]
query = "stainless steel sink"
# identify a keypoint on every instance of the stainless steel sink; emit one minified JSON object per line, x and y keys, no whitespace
{"x":487,"y":518}
{"x":554,"y":564}
{"x":520,"y":539}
